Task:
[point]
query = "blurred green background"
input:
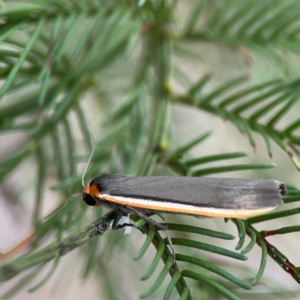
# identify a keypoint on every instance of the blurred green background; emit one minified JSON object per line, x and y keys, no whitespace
{"x":140,"y":80}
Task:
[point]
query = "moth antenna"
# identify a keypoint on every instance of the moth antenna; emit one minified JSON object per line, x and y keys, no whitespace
{"x":87,"y":165}
{"x":63,"y":205}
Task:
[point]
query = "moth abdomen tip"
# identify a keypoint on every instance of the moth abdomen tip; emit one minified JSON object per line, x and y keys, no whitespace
{"x":282,"y":188}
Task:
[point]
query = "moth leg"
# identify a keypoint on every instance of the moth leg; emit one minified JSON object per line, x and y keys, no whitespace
{"x":153,"y":222}
{"x":115,"y":225}
{"x":160,"y":216}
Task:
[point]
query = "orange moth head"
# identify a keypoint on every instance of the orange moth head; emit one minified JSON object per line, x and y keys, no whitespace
{"x":89,"y":194}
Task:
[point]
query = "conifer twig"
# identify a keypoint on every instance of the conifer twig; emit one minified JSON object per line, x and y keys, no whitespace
{"x":56,"y":249}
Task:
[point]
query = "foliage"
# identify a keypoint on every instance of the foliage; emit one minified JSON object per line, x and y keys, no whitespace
{"x":113,"y":65}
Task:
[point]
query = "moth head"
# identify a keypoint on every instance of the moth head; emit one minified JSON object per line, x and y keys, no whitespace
{"x":90,"y":194}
